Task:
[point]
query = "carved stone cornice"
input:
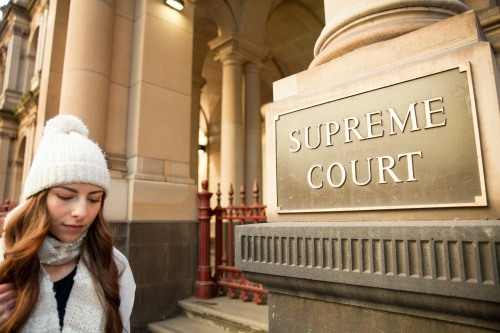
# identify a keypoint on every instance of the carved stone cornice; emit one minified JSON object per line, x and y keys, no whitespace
{"x":37,"y":6}
{"x":15,"y":20}
{"x":22,"y":31}
{"x":490,"y":23}
{"x":233,"y":44}
{"x":117,"y":162}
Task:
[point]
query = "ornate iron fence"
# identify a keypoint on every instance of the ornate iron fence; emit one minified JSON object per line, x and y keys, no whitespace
{"x":227,"y":279}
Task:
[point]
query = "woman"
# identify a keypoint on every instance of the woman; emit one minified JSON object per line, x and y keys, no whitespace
{"x":60,"y":271}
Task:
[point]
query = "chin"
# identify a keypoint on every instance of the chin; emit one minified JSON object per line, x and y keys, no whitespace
{"x":67,"y":237}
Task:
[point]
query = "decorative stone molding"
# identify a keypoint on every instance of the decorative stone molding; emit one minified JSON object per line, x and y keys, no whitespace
{"x":490,"y":22}
{"x":24,"y":110}
{"x":22,"y":31}
{"x":234,"y":44}
{"x":456,"y":258}
{"x":117,"y":165}
{"x":9,"y":125}
{"x":144,"y":168}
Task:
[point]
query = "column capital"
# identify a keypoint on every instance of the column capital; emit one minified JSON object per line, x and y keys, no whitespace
{"x":8,"y":125}
{"x":235,"y":45}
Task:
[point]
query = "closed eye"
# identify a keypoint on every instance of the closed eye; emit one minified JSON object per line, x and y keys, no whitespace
{"x":65,"y":198}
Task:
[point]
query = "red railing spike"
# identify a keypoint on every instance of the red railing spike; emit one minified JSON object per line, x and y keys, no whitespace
{"x":242,"y":194}
{"x":255,"y":193}
{"x":218,"y":194}
{"x":231,"y":195}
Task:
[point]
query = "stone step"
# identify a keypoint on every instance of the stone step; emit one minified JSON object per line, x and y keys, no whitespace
{"x":182,"y":324}
{"x":219,"y":314}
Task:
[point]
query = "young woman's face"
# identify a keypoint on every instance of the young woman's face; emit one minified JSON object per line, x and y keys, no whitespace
{"x":72,"y":209}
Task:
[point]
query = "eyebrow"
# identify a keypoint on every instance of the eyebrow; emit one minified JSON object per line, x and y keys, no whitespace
{"x":75,"y":191}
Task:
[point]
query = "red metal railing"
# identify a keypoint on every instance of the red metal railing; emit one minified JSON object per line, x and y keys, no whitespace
{"x":227,"y":279}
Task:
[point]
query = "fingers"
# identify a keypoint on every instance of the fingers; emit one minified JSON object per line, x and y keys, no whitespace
{"x":5,"y":316}
{"x":7,"y":301}
{"x":7,"y":292}
{"x":6,"y":287}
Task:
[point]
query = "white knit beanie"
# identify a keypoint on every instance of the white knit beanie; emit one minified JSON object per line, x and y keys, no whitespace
{"x":66,"y":155}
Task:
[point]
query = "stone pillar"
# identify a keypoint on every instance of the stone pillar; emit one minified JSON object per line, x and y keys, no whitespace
{"x":233,"y":50}
{"x":253,"y":125}
{"x":383,"y":256}
{"x":30,"y":141}
{"x":52,"y":63}
{"x":11,"y":85}
{"x":352,"y":24}
{"x":231,"y":123}
{"x":198,"y":83}
{"x":87,"y":64}
{"x":35,"y":79}
{"x":8,"y":135}
{"x":231,"y":119}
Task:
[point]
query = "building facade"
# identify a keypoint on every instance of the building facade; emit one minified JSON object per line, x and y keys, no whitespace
{"x":172,"y":98}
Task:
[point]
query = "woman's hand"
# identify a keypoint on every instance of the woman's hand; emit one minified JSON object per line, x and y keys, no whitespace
{"x":7,"y":301}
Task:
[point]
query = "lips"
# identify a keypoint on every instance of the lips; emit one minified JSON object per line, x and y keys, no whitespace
{"x":74,"y":228}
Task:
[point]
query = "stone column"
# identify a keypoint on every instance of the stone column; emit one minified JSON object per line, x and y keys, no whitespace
{"x":233,"y":50}
{"x":87,"y":64}
{"x":8,"y":135}
{"x":253,"y":125}
{"x":35,"y":79}
{"x":52,"y":63}
{"x":352,"y":24}
{"x":11,"y":93}
{"x":198,"y":83}
{"x":29,"y":150}
{"x":231,"y":123}
{"x":231,"y":171}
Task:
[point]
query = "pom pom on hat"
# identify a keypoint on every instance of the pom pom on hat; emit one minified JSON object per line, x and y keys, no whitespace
{"x":66,"y":124}
{"x":66,"y":155}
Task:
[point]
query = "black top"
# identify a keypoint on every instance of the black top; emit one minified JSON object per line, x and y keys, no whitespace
{"x":62,"y":289}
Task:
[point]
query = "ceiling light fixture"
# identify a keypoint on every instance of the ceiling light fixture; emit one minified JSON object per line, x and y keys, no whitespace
{"x":176,"y":4}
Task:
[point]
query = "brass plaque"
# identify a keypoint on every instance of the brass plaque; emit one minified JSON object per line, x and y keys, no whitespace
{"x":414,"y":144}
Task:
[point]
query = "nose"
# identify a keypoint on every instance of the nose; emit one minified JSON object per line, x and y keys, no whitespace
{"x":79,"y":209}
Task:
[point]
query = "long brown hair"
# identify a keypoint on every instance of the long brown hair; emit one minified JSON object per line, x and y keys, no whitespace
{"x":24,"y":234}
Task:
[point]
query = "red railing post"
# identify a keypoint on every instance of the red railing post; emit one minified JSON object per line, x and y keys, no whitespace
{"x":218,"y":240}
{"x":204,"y":286}
{"x":256,"y":200}
{"x":230,"y":230}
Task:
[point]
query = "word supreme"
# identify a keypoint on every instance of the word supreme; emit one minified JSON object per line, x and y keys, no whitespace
{"x":434,"y":117}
